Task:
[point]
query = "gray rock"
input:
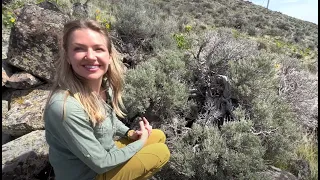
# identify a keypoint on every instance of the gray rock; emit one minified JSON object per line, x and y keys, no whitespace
{"x":34,"y":41}
{"x":5,"y":137}
{"x":49,"y":5}
{"x":301,"y":169}
{"x":6,"y":93}
{"x":6,"y":1}
{"x":274,"y":173}
{"x":25,"y":114}
{"x":22,"y":80}
{"x":5,"y":106}
{"x":80,"y":10}
{"x":25,"y":157}
{"x":6,"y":72}
{"x":5,"y":40}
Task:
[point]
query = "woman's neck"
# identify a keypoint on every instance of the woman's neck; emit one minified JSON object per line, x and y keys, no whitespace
{"x":96,"y":86}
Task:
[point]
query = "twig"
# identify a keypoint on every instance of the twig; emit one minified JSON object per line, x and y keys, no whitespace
{"x":264,"y":133}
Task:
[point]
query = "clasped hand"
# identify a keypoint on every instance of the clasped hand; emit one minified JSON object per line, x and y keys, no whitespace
{"x":144,"y":131}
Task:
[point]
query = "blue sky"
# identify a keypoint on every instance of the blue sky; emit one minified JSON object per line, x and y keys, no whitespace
{"x":302,"y":9}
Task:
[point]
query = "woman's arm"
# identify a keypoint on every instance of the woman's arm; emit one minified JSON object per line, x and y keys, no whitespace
{"x":121,"y":127}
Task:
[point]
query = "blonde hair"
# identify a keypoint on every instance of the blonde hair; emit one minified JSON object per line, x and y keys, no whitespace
{"x":67,"y":79}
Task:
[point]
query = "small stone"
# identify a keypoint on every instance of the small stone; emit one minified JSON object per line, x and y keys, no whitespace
{"x":22,"y":80}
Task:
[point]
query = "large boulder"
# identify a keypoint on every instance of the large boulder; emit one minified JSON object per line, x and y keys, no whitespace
{"x":34,"y":40}
{"x":25,"y":157}
{"x":25,"y":114}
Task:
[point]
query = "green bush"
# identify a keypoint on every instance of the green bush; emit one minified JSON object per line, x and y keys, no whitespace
{"x":157,"y":87}
{"x":207,"y":153}
{"x":138,"y":21}
{"x":308,"y":150}
{"x":8,"y":16}
{"x":256,"y":84}
{"x":182,"y":41}
{"x":211,"y":54}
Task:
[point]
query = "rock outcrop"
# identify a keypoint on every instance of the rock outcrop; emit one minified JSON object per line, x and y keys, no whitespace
{"x":24,"y":157}
{"x":29,"y":50}
{"x":34,"y":41}
{"x":25,"y":114}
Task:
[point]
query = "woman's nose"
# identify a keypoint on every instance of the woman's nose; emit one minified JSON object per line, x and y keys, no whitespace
{"x":91,"y":55}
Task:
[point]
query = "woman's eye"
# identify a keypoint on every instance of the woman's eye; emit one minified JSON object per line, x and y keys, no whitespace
{"x":99,"y":49}
{"x":78,"y":49}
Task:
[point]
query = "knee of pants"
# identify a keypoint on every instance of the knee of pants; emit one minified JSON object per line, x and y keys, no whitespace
{"x":164,"y":151}
{"x":159,"y":134}
{"x":159,"y":150}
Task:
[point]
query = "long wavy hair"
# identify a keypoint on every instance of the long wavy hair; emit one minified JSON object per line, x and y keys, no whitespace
{"x":74,"y":85}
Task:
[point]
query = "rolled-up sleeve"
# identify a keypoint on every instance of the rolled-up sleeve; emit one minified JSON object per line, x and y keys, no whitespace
{"x":78,"y":134}
{"x":121,"y":127}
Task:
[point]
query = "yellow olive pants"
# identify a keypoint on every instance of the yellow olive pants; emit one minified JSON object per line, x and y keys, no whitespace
{"x":144,"y":163}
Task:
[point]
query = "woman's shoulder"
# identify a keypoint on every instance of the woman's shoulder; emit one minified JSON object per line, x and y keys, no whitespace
{"x":61,"y":98}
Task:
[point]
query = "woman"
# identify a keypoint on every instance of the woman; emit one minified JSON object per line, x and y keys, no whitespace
{"x":80,"y":123}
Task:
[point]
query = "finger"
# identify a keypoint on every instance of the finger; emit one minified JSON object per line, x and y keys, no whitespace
{"x":139,"y":132}
{"x":141,"y":125}
{"x":145,"y":121}
{"x":148,"y":127}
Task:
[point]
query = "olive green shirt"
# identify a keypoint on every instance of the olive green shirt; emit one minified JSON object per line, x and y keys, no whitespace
{"x":77,"y":150}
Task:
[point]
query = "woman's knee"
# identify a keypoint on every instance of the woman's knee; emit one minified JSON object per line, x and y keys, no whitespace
{"x":148,"y":154}
{"x":159,"y":135}
{"x":164,"y":151}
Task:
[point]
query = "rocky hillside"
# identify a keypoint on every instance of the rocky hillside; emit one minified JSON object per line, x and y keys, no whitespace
{"x":233,"y":85}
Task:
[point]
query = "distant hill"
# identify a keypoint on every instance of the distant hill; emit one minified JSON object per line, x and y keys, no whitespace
{"x":245,"y":17}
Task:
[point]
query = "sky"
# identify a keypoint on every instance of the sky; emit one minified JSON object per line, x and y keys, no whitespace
{"x":302,"y":9}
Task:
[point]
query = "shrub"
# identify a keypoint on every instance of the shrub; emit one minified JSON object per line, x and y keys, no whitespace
{"x":8,"y":18}
{"x":251,"y":31}
{"x":212,"y":53}
{"x":204,"y":152}
{"x":138,"y":21}
{"x":308,"y":150}
{"x":157,"y":87}
{"x":8,"y":15}
{"x":256,"y":84}
{"x":299,"y":88}
{"x":182,"y":41}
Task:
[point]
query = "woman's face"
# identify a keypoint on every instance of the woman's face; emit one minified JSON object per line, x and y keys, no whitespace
{"x":88,"y":54}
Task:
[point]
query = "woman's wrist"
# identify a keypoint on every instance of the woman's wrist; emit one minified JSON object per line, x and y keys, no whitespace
{"x":129,"y":133}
